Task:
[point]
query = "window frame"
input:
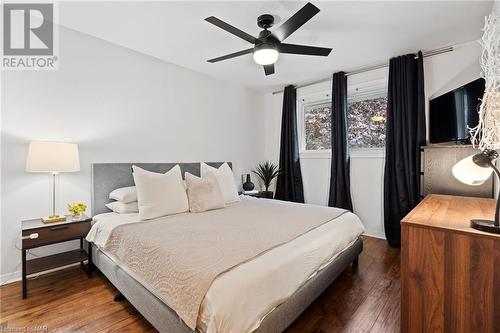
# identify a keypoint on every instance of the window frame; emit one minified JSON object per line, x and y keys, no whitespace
{"x":303,"y":101}
{"x":373,"y":88}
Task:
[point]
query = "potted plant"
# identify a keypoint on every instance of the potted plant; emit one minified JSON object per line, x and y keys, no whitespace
{"x":267,"y":171}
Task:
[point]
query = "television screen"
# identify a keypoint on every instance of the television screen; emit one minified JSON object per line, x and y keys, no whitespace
{"x":452,"y":114}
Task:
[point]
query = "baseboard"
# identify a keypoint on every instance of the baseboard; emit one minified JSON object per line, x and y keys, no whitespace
{"x":10,"y":278}
{"x":16,"y":276}
{"x":376,"y":234}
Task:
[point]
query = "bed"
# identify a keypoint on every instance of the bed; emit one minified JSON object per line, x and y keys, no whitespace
{"x":314,"y":260}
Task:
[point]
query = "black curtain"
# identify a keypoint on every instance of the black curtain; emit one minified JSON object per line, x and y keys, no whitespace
{"x":289,"y":184}
{"x":340,"y":192}
{"x":405,"y":134}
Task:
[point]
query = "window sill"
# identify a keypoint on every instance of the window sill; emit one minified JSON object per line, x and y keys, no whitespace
{"x":354,"y":153}
{"x":367,"y":152}
{"x":316,"y":154}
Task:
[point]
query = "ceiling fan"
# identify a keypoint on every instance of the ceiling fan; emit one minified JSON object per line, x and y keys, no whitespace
{"x":269,"y":45}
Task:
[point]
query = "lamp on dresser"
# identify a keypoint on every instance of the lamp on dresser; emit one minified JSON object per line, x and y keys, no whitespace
{"x":53,"y":157}
{"x":475,"y":170}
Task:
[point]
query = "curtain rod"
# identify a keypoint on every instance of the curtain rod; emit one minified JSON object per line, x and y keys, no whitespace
{"x":373,"y":67}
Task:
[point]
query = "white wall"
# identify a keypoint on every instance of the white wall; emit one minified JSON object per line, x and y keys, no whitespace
{"x":448,"y":71}
{"x":119,"y":106}
{"x":442,"y":73}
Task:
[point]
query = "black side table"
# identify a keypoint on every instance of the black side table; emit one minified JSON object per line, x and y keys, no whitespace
{"x":35,"y":234}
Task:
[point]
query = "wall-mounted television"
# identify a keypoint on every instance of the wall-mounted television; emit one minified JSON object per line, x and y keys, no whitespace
{"x":452,"y":114}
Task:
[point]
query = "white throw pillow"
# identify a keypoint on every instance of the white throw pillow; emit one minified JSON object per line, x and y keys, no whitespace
{"x":160,"y":194}
{"x":124,"y":194}
{"x":225,"y":177}
{"x":123,"y":208}
{"x":203,"y":193}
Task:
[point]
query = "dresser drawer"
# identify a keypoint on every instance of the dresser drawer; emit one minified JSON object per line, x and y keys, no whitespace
{"x":57,"y":233}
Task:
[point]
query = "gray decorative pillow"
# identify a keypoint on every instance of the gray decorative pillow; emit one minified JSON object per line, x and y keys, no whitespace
{"x":203,"y":193}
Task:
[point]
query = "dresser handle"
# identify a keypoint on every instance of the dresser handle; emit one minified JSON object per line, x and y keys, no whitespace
{"x":59,"y":227}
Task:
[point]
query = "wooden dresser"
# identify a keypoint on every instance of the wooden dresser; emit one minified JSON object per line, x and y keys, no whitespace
{"x":450,"y":273}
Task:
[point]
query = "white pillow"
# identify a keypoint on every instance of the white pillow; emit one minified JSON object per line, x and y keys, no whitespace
{"x":124,"y":194}
{"x":160,"y":194}
{"x":123,"y":208}
{"x":203,"y":193}
{"x":225,"y":177}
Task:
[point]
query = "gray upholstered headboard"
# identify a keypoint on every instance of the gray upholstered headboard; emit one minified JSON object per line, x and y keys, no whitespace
{"x":107,"y":177}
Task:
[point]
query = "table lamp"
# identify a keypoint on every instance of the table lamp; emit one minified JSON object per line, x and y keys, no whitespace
{"x":53,"y":157}
{"x":475,"y":170}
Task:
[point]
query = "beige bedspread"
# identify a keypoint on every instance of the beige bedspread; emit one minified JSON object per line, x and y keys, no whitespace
{"x":178,"y":257}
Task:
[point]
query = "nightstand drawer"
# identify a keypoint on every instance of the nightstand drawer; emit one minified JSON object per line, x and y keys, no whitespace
{"x":57,"y":233}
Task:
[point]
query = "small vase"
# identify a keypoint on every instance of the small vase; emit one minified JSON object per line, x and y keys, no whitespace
{"x":248,"y":185}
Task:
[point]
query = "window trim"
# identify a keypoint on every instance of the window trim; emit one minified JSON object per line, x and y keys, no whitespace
{"x":367,"y":153}
{"x":371,"y":88}
{"x":354,"y":153}
{"x":373,"y":93}
{"x":309,"y":99}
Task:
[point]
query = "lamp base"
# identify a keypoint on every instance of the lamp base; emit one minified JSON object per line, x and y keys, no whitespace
{"x":54,"y":219}
{"x":485,"y":225}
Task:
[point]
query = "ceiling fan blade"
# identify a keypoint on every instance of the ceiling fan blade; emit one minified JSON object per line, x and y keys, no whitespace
{"x":229,"y":28}
{"x":232,"y":55}
{"x":269,"y":69}
{"x":296,"y":21}
{"x":304,"y":49}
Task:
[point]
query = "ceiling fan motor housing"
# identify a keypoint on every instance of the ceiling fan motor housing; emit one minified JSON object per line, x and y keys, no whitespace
{"x":266,"y":37}
{"x":265,"y":21}
{"x":265,"y":45}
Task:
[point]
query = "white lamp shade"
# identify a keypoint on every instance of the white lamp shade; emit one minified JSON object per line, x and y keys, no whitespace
{"x":470,"y":173}
{"x":265,"y":56}
{"x":45,"y":156}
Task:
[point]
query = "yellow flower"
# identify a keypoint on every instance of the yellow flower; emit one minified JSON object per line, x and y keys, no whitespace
{"x":77,"y":208}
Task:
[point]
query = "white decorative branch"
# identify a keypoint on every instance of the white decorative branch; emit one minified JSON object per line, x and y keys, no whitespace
{"x":486,"y":135}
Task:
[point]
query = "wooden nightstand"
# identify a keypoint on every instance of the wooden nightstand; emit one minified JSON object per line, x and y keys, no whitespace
{"x":47,"y":234}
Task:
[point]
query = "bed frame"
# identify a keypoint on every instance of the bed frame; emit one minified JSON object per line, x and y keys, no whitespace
{"x":109,"y":176}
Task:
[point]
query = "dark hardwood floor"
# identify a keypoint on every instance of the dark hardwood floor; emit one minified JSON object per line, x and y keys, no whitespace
{"x":362,"y":300}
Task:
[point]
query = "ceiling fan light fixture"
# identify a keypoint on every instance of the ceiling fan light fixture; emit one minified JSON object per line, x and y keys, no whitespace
{"x":267,"y":47}
{"x":265,"y":54}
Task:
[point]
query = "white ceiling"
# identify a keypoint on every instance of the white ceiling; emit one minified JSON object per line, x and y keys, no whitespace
{"x":360,"y":33}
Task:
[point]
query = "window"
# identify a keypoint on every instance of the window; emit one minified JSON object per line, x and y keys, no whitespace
{"x":366,"y":118}
{"x":317,"y":123}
